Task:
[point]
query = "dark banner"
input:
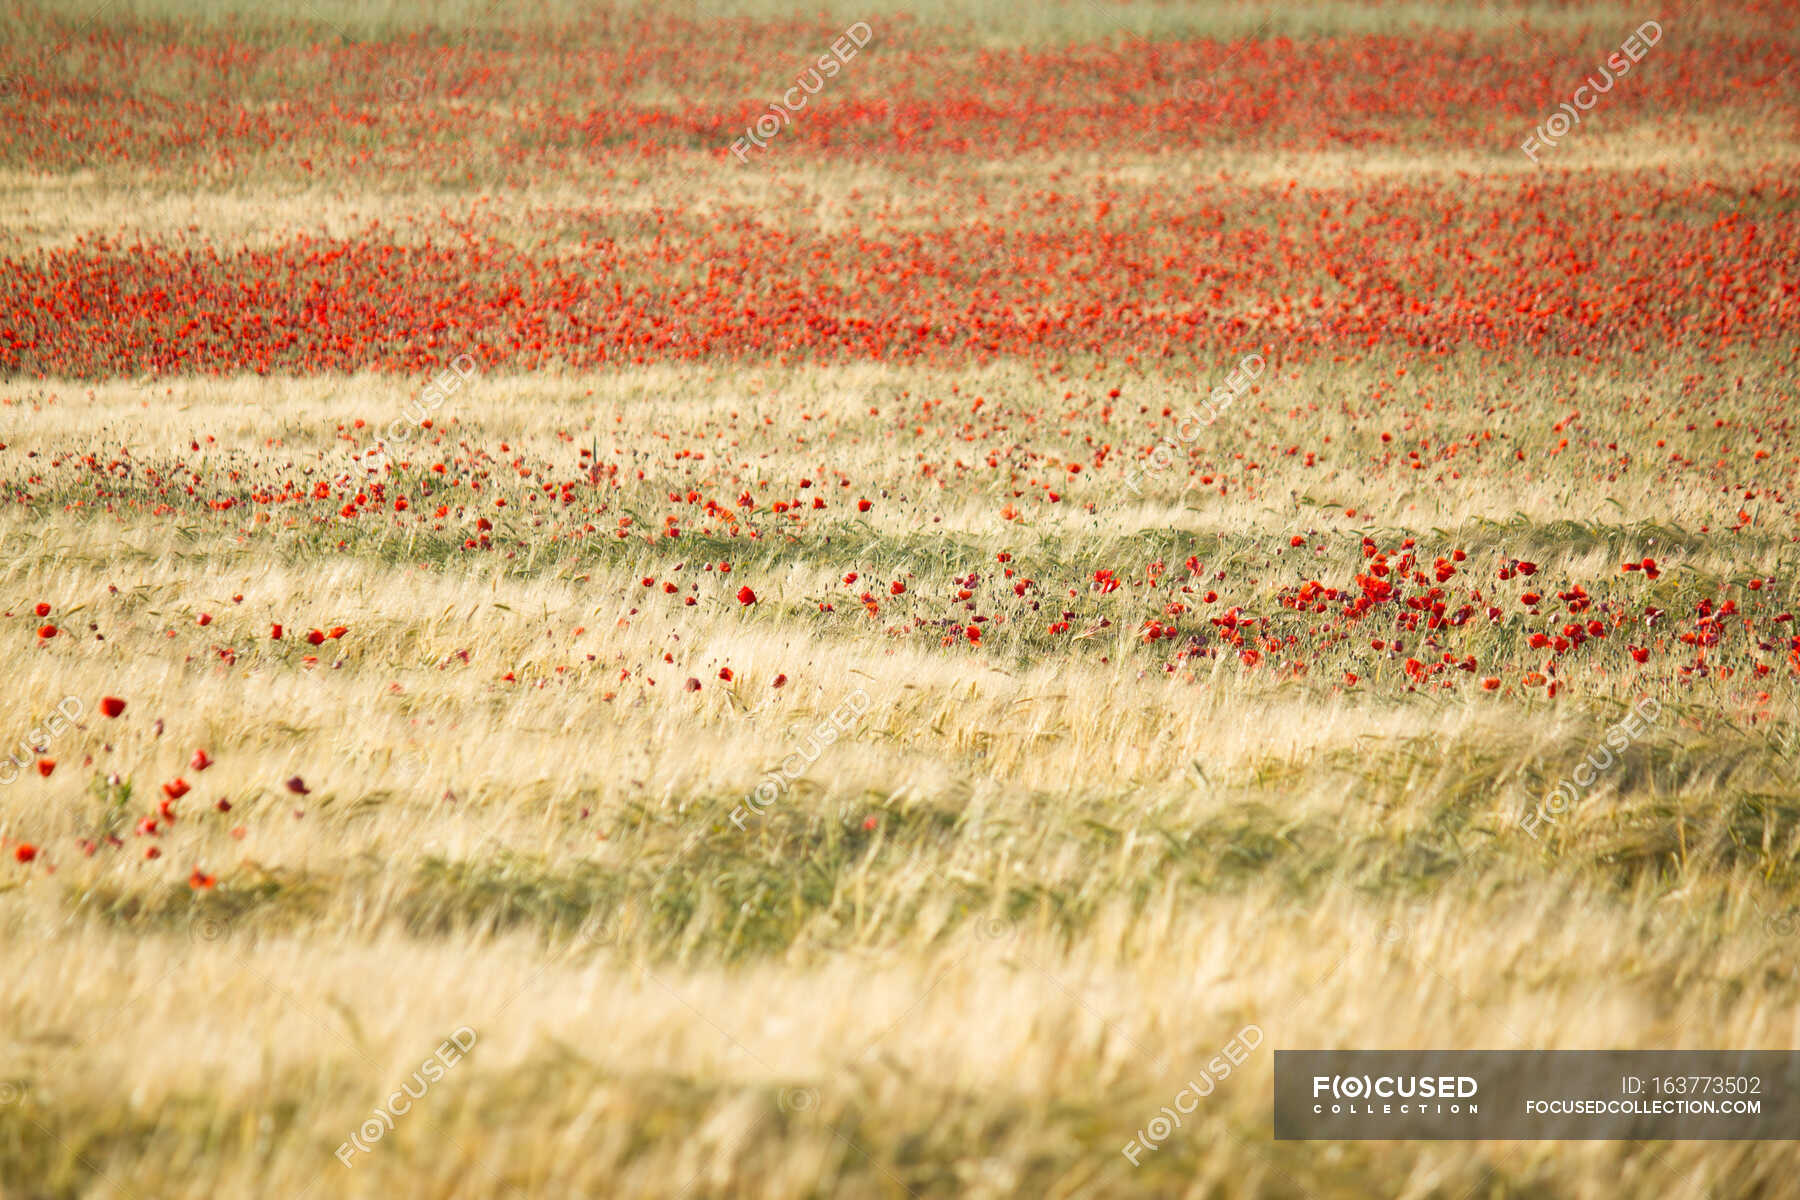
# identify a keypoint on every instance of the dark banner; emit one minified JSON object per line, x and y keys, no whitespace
{"x":1537,"y":1095}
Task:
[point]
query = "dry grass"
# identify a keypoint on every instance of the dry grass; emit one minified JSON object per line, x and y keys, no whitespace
{"x":987,"y":934}
{"x":984,"y":21}
{"x":1081,"y":879}
{"x":39,"y":212}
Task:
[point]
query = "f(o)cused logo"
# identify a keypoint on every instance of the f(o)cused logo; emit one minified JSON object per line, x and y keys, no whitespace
{"x":993,"y":929}
{"x":798,"y":1100}
{"x":209,"y":929}
{"x":403,"y":88}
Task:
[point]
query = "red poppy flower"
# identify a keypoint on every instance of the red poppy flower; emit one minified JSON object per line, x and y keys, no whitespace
{"x":25,"y":852}
{"x":176,"y":788}
{"x":46,"y":631}
{"x":112,"y":706}
{"x":746,"y":596}
{"x":42,"y":609}
{"x":200,"y":761}
{"x":45,"y":766}
{"x":200,"y":881}
{"x":298,"y":786}
{"x":316,"y":637}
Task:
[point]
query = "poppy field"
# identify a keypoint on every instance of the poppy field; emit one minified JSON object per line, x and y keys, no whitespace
{"x":715,"y":600}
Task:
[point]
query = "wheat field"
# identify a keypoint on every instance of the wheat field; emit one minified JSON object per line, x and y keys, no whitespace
{"x":752,"y":673}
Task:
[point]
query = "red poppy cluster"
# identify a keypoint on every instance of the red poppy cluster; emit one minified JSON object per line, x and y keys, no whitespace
{"x":1045,"y":261}
{"x":628,"y":86}
{"x":150,"y":826}
{"x":1006,"y":230}
{"x":1166,"y":275}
